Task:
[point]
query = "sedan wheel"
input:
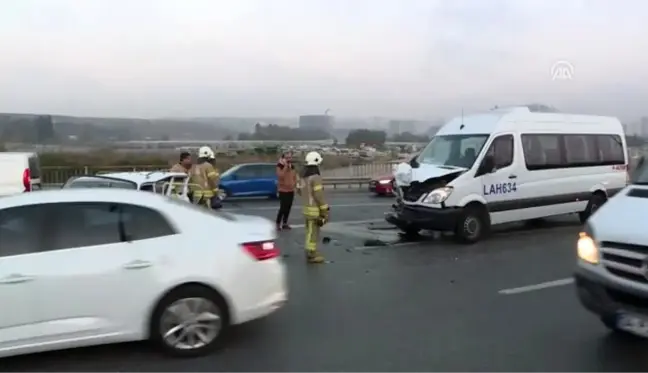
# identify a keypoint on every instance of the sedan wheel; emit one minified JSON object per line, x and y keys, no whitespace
{"x":190,"y":323}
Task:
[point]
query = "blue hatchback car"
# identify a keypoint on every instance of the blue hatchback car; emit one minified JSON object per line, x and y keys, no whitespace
{"x":250,"y":180}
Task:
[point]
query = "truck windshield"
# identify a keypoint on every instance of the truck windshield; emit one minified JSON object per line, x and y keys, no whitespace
{"x":453,"y":150}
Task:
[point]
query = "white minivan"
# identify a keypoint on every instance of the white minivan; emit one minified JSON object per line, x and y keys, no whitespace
{"x":20,"y":172}
{"x":509,"y":165}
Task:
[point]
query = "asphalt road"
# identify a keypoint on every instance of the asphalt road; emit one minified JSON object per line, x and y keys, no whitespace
{"x":425,"y":306}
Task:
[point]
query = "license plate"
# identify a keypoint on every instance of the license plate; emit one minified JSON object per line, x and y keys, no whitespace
{"x":634,"y":324}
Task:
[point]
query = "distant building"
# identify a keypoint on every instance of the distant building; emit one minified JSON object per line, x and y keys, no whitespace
{"x":396,"y":127}
{"x":317,"y":122}
{"x":643,"y":132}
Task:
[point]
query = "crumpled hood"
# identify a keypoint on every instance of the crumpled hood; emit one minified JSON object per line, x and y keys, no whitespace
{"x":404,"y":174}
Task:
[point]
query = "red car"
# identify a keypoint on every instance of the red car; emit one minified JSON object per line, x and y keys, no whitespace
{"x":382,"y":185}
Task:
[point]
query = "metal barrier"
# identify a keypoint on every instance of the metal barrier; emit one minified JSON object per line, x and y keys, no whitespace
{"x":59,"y":175}
{"x":335,"y":182}
{"x":348,"y":181}
{"x":361,"y":170}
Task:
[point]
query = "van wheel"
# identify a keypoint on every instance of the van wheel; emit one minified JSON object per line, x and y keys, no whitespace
{"x":473,"y":224}
{"x":190,"y":321}
{"x":597,"y":200}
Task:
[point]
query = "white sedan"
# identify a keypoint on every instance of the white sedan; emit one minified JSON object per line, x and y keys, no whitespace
{"x":82,"y":267}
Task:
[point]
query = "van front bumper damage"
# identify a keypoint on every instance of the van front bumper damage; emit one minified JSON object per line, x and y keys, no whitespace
{"x":406,"y":217}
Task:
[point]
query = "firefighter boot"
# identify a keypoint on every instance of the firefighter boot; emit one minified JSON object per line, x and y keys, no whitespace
{"x":312,"y":256}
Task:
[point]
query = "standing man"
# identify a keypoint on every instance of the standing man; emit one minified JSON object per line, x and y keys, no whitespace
{"x":316,"y":211}
{"x":286,"y":183}
{"x":204,"y":179}
{"x":184,"y":165}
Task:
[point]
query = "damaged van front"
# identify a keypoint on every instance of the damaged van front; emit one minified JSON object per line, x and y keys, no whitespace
{"x":435,"y":189}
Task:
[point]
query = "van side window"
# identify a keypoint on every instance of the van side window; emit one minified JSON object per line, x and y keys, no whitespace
{"x":578,"y":150}
{"x":541,"y":151}
{"x":610,"y":149}
{"x":502,"y":151}
{"x":552,"y":151}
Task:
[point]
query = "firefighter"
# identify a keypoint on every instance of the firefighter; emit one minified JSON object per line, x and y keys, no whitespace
{"x":316,"y":211}
{"x":204,"y":179}
{"x":216,"y":202}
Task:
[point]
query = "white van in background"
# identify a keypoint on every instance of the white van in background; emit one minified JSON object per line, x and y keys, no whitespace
{"x":510,"y":165}
{"x":19,"y":173}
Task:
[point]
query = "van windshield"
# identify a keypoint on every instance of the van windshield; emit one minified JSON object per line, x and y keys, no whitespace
{"x":453,"y":150}
{"x":640,"y":174}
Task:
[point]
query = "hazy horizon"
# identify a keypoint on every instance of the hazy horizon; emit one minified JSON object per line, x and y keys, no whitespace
{"x":282,"y":58}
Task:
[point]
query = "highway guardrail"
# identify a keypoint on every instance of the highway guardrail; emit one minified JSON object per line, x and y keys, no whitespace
{"x":349,"y":182}
{"x":335,"y":182}
{"x":59,"y":175}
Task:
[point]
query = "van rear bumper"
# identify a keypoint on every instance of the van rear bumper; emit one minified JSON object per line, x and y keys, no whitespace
{"x":407,"y":217}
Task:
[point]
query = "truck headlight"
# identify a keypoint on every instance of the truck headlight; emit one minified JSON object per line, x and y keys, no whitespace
{"x":586,"y":246}
{"x":438,"y":195}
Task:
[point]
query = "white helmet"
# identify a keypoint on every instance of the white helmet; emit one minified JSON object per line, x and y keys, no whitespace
{"x":205,"y":152}
{"x":313,"y":159}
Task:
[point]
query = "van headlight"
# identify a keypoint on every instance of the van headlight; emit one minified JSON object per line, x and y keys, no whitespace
{"x":438,"y":195}
{"x":586,"y":246}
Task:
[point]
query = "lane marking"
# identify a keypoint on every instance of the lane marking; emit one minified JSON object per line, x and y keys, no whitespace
{"x":540,"y":286}
{"x":297,"y":206}
{"x":344,"y":222}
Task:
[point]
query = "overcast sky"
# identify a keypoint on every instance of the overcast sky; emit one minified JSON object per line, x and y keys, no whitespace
{"x":397,"y":58}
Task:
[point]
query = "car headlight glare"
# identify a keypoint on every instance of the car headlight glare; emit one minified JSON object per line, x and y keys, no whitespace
{"x":438,"y":195}
{"x":385,"y":182}
{"x":586,"y":246}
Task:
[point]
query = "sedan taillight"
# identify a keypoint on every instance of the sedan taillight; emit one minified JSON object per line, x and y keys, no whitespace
{"x":261,"y":250}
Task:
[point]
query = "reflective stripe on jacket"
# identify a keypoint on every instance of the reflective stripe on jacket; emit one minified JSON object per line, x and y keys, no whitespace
{"x":313,"y":198}
{"x":202,"y":181}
